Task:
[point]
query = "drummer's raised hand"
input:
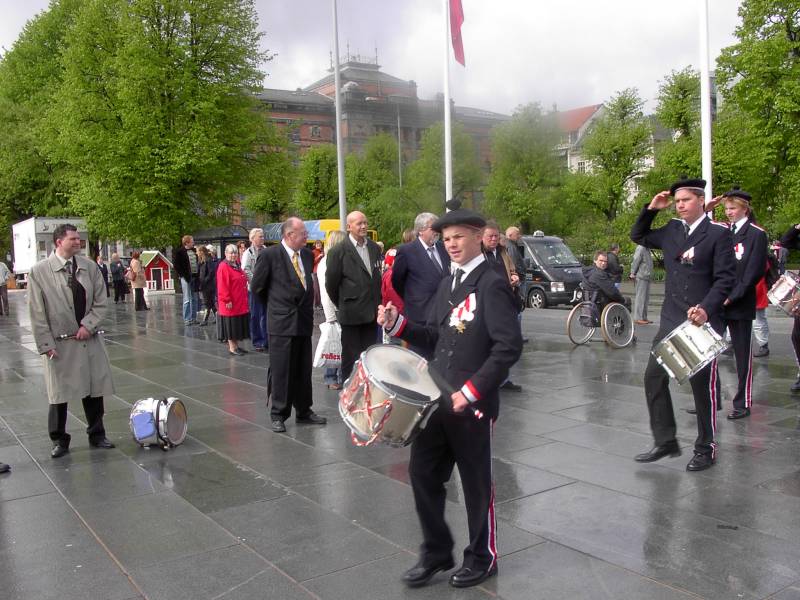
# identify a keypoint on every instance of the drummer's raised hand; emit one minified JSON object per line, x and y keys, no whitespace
{"x":387,"y":315}
{"x":460,"y":402}
{"x":697,"y":315}
{"x":660,"y":201}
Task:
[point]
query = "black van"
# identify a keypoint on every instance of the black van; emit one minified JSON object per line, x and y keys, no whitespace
{"x":554,"y":272}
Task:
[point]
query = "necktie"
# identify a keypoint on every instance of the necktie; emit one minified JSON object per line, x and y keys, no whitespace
{"x":297,"y":270}
{"x":432,"y":254}
{"x":733,"y":229}
{"x":685,"y":231}
{"x":457,"y":280}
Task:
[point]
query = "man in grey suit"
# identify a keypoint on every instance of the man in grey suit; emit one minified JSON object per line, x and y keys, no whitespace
{"x":353,"y":282}
{"x":67,"y":301}
{"x":641,"y":273}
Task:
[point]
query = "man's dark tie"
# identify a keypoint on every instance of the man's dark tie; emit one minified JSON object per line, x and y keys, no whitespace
{"x":457,"y":278}
{"x":78,"y":291}
{"x":685,"y":231}
{"x":733,"y":229}
{"x":432,"y":254}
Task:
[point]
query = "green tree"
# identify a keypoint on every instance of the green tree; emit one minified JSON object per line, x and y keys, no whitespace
{"x":615,"y":147}
{"x":369,"y":174}
{"x":156,"y":118}
{"x":526,"y":177}
{"x":317,"y":194}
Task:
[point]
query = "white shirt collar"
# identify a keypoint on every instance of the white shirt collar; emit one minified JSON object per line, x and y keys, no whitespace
{"x":469,"y":266}
{"x":694,"y":225}
{"x":355,"y":243}
{"x":289,"y":251}
{"x":424,"y":245}
{"x":740,"y":223}
{"x":63,"y":261}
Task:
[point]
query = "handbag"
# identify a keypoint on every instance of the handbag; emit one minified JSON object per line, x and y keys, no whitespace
{"x":329,"y":347}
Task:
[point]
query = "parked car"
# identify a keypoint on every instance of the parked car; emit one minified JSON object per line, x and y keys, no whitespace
{"x":554,"y":272}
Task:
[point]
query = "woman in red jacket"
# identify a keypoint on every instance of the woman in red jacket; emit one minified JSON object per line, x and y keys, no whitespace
{"x":234,"y":317}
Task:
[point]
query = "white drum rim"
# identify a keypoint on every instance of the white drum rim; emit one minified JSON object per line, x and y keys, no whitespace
{"x":389,"y":392}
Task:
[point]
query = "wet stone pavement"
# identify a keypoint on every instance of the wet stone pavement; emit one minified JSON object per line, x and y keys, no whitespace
{"x":239,"y":512}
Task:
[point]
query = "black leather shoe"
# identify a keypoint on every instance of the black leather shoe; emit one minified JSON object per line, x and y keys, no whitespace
{"x":105,"y":443}
{"x":739,"y":413}
{"x":237,"y":352}
{"x":4,"y":468}
{"x":510,"y":386}
{"x":762,"y":351}
{"x":241,"y":350}
{"x":700,"y":462}
{"x":658,"y":452}
{"x":311,"y":418}
{"x":796,"y":386}
{"x":420,"y":574}
{"x":691,"y":411}
{"x":58,"y":451}
{"x":278,"y":426}
{"x":466,"y":577}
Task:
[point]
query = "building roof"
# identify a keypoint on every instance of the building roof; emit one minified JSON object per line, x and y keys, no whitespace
{"x":479,"y":113}
{"x":358,"y":71}
{"x":573,"y":120}
{"x":149,"y":256}
{"x":297,"y":96}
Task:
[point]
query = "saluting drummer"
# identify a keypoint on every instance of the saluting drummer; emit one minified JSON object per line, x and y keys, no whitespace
{"x":473,"y":331}
{"x":700,"y":274}
{"x":739,"y":309}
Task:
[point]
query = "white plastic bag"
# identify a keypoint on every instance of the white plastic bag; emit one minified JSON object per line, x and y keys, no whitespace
{"x":329,"y":347}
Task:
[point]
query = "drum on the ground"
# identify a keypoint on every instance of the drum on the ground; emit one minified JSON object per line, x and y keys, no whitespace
{"x":785,"y":294}
{"x":159,"y":422}
{"x":389,"y":397}
{"x":687,"y":349}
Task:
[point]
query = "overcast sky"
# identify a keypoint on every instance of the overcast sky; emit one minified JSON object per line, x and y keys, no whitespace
{"x":565,"y":52}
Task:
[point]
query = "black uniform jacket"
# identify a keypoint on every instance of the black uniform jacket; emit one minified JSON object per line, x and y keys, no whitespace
{"x":699,"y":270}
{"x":355,"y":291}
{"x":791,"y":239}
{"x":181,"y":262}
{"x":290,"y":307}
{"x":415,"y":278}
{"x":750,"y":250}
{"x":476,"y":357}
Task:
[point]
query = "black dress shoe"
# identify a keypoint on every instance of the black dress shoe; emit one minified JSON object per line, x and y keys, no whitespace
{"x":311,"y":418}
{"x":420,"y":574}
{"x":4,"y":468}
{"x":242,"y":350}
{"x":105,"y":444}
{"x":739,"y":413}
{"x":796,"y":386}
{"x":237,"y":352}
{"x":58,"y":451}
{"x":658,"y":452}
{"x":466,"y":577}
{"x":510,"y":386}
{"x":278,"y":426}
{"x":700,"y":462}
{"x":691,"y":411}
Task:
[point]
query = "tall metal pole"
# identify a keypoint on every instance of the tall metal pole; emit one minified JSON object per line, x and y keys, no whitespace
{"x":399,"y":149}
{"x":705,"y":100}
{"x":337,"y":96}
{"x":448,"y":143}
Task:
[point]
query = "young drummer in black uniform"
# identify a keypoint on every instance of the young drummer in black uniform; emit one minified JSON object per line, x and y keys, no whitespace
{"x":791,"y":239}
{"x":700,"y":273}
{"x":472,"y":324}
{"x":739,"y":309}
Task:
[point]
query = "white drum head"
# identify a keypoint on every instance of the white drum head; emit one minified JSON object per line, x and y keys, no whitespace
{"x":396,"y":366}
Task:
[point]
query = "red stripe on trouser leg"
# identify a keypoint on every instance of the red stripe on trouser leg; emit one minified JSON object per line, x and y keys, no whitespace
{"x":492,"y":516}
{"x":748,"y":389}
{"x":712,"y":383}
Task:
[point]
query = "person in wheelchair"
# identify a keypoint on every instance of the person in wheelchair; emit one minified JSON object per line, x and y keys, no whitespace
{"x":598,"y":284}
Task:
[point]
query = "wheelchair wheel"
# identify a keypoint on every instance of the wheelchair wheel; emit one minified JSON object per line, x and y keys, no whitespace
{"x":576,"y":331}
{"x":616,"y":325}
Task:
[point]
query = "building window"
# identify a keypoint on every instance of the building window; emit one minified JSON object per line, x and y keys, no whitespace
{"x":581,"y":166}
{"x":315,"y":131}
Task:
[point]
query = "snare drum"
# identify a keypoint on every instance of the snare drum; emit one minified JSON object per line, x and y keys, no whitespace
{"x":785,"y":294}
{"x":687,"y":349}
{"x":389,"y":397}
{"x":159,"y":422}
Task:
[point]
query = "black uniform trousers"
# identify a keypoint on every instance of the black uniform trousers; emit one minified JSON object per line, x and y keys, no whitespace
{"x":92,"y":408}
{"x":355,"y":339}
{"x":659,"y":402}
{"x":796,"y":339}
{"x":289,"y":375}
{"x":455,"y":439}
{"x":742,"y":340}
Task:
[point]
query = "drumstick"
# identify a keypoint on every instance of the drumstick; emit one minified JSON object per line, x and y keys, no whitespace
{"x":66,"y":336}
{"x":448,"y":389}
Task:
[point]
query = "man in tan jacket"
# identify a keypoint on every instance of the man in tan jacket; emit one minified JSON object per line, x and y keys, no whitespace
{"x":67,"y":302}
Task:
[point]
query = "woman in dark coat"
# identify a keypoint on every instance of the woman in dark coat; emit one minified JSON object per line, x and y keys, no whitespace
{"x":207,"y":276}
{"x":234,"y":313}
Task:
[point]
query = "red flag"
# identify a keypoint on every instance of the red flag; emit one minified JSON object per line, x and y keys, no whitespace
{"x":456,"y":21}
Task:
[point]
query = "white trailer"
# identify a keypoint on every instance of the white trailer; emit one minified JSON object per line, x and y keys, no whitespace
{"x":33,"y":241}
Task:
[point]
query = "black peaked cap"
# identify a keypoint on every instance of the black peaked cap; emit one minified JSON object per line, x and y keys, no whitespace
{"x":458,"y":216}
{"x":697,"y":184}
{"x":737,"y":193}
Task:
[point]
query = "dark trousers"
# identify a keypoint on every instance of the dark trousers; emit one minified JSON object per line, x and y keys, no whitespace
{"x":659,"y":403}
{"x":4,"y":299}
{"x":356,"y":339}
{"x":455,"y":439}
{"x":92,"y":408}
{"x":120,"y":289}
{"x":289,"y":376}
{"x":796,"y":340}
{"x":742,"y":340}
{"x":138,"y":296}
{"x":258,"y":321}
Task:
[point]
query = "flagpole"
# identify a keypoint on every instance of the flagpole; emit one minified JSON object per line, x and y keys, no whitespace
{"x":705,"y":100}
{"x":338,"y":101}
{"x":448,"y":143}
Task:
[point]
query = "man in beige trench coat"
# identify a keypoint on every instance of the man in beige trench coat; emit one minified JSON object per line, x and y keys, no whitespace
{"x":67,"y":302}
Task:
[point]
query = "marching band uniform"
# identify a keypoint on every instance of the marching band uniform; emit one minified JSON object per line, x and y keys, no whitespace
{"x":700,"y":270}
{"x":472,"y":326}
{"x":791,"y":239}
{"x":750,"y":249}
